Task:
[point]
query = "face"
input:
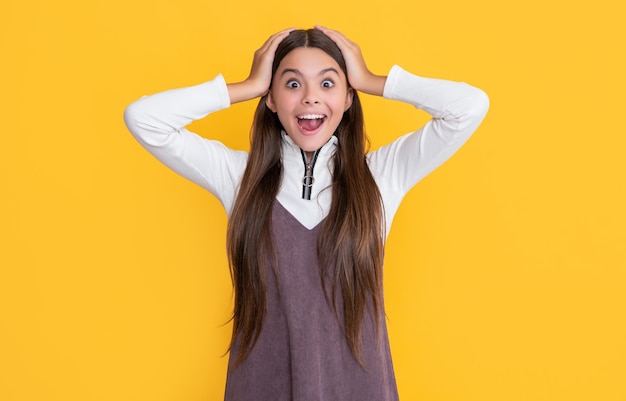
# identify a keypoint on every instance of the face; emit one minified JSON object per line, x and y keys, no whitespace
{"x":310,"y":94}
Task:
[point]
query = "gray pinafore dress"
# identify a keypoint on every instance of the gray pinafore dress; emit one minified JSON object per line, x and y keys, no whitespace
{"x":302,"y":353}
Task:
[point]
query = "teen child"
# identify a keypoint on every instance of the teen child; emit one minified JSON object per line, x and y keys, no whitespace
{"x":309,"y":208}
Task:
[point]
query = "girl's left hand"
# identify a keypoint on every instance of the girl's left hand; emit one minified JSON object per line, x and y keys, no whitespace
{"x":359,"y":76}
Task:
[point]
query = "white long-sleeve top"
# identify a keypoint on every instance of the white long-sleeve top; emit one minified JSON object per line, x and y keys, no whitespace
{"x":158,"y":123}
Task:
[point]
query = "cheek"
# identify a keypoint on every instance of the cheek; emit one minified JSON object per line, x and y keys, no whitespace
{"x":285,"y":114}
{"x":284,"y":104}
{"x":284,"y":121}
{"x":339,"y":101}
{"x":338,"y":107}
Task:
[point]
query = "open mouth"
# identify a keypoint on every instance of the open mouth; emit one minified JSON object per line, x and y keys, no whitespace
{"x":310,"y":123}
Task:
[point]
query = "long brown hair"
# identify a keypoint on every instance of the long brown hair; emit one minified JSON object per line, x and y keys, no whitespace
{"x":350,"y":246}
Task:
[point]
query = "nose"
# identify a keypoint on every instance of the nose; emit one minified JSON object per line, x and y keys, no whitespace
{"x":310,"y":97}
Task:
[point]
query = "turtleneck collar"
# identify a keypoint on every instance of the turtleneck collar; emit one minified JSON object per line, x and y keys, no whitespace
{"x":290,"y":146}
{"x":304,"y":176}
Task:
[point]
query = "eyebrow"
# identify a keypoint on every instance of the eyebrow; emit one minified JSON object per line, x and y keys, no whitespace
{"x":297,"y":72}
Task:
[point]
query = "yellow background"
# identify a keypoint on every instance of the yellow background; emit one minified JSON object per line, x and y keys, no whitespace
{"x":506,"y":271}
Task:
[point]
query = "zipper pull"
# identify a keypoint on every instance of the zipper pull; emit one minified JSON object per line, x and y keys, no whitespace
{"x":308,"y":179}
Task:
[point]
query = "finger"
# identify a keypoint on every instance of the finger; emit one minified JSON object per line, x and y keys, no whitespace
{"x":274,"y":40}
{"x":358,"y":72}
{"x":280,"y":35}
{"x":329,"y":32}
{"x":326,"y":29}
{"x":336,"y":36}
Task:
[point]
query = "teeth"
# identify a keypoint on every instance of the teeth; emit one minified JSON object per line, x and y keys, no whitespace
{"x":311,"y":117}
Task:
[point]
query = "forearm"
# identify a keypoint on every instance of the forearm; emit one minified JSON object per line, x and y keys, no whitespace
{"x":158,"y":123}
{"x":442,"y":99}
{"x":373,"y":85}
{"x":457,"y":110}
{"x":152,"y":119}
{"x":245,"y":90}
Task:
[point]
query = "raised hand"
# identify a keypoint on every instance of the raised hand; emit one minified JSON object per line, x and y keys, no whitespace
{"x":258,"y":81}
{"x":359,"y":76}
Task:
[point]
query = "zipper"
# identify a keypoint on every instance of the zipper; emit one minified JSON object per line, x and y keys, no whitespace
{"x":308,"y":179}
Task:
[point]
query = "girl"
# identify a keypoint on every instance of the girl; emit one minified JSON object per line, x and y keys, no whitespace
{"x":309,"y":209}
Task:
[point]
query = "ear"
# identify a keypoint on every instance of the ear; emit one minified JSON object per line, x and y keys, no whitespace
{"x":269,"y":102}
{"x":349,"y":96}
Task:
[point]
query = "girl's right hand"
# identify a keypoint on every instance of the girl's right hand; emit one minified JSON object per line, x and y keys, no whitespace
{"x":258,"y":81}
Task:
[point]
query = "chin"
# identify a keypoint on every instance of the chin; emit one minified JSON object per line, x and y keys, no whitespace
{"x":311,"y":146}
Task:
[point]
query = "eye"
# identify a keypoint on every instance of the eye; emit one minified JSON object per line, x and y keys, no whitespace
{"x":328,"y":83}
{"x":292,"y":83}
